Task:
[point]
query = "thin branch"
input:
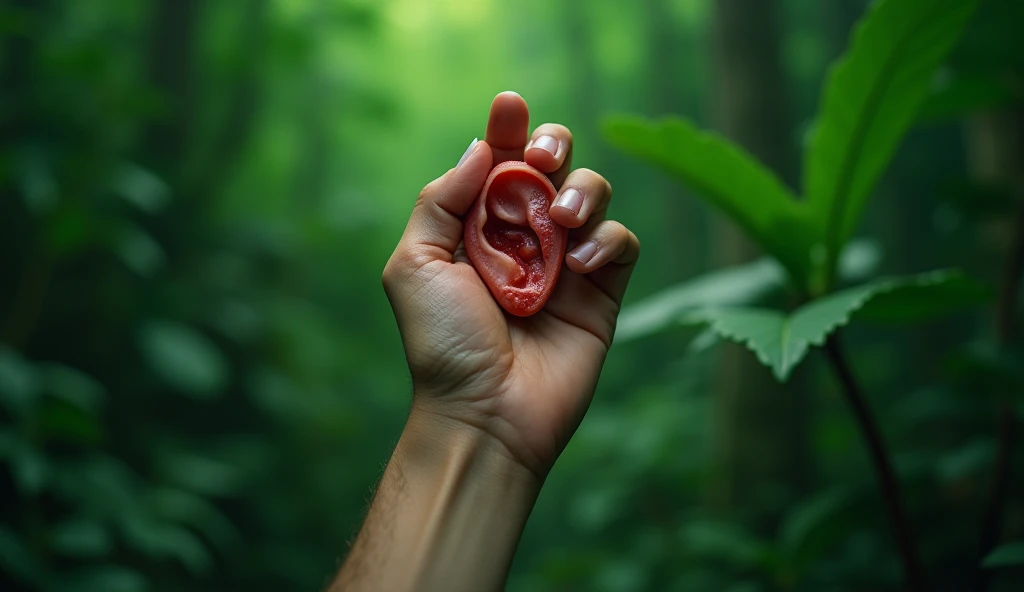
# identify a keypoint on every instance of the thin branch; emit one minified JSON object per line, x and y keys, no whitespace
{"x":1006,"y":435}
{"x":899,"y":521}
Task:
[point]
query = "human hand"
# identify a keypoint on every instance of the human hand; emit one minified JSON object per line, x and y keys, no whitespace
{"x":527,"y":382}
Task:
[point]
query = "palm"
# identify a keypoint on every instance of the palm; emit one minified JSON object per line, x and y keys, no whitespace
{"x":537,"y":373}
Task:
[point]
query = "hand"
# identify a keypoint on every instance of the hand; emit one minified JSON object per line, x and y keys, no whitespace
{"x":525,"y":381}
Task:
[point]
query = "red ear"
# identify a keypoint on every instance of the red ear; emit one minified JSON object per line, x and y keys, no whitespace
{"x":510,"y":238}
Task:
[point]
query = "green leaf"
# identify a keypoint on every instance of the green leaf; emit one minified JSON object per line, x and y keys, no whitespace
{"x":184,"y":358}
{"x":81,"y":537}
{"x":203,"y":474}
{"x":735,"y":285}
{"x":139,"y":251}
{"x":870,"y":100}
{"x":781,"y":341}
{"x":196,"y":512}
{"x":930,"y":296}
{"x":970,"y":459}
{"x":739,"y":285}
{"x":1008,"y":555}
{"x":71,"y":385}
{"x":749,"y":193}
{"x":160,"y":540}
{"x":141,"y":188}
{"x":29,"y":467}
{"x":19,"y":383}
{"x":725,"y":542}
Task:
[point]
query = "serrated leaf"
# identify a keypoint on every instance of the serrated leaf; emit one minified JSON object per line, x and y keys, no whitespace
{"x":870,"y":100}
{"x":738,"y":285}
{"x":781,"y":341}
{"x":1008,"y":555}
{"x":735,"y":285}
{"x":732,"y":180}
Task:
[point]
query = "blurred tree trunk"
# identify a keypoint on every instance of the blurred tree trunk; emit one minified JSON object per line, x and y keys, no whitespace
{"x":684,"y":218}
{"x":761,"y":427}
{"x":995,"y":150}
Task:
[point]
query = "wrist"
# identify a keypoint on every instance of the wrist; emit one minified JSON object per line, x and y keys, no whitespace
{"x":434,"y":440}
{"x":473,"y":421}
{"x":447,"y":514}
{"x":460,"y":503}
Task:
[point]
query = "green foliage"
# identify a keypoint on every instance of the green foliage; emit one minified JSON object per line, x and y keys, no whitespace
{"x":200,"y":377}
{"x":870,"y":100}
{"x":729,"y":178}
{"x":868,"y":104}
{"x":183,"y":358}
{"x":742,"y":284}
{"x":780,"y":341}
{"x":1008,"y":555}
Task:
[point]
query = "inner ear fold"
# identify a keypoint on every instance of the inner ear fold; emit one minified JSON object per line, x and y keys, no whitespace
{"x":507,"y":238}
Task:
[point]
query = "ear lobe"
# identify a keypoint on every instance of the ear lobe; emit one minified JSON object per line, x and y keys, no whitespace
{"x":511,"y":240}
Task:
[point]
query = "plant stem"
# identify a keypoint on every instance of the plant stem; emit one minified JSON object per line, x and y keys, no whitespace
{"x":1006,"y":309}
{"x":899,"y":522}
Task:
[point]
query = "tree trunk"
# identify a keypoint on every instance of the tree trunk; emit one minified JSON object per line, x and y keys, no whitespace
{"x":684,"y":220}
{"x":995,"y":143}
{"x":761,"y":439}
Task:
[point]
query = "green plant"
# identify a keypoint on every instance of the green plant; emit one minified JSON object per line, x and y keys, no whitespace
{"x":870,"y":100}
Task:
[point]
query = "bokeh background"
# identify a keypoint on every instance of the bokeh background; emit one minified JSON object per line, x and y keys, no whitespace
{"x":200,"y":377}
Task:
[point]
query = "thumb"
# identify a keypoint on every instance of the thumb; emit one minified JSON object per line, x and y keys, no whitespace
{"x":436,"y":220}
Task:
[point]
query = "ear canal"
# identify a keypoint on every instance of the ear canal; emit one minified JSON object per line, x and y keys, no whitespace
{"x":511,"y":240}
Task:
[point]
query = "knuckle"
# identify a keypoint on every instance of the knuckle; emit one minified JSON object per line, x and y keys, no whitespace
{"x":594,"y":179}
{"x":556,"y":129}
{"x":388,"y":275}
{"x":430,"y":190}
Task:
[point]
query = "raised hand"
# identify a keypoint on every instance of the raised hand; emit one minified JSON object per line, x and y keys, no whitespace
{"x":525,"y":381}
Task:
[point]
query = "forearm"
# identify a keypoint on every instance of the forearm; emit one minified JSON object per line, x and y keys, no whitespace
{"x":447,"y":515}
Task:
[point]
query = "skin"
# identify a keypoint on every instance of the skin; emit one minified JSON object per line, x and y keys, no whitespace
{"x":495,"y":397}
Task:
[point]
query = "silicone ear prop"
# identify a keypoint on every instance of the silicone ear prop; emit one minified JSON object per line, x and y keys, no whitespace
{"x":511,"y":240}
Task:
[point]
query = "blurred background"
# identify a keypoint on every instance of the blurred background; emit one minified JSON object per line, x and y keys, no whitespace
{"x":200,"y":377}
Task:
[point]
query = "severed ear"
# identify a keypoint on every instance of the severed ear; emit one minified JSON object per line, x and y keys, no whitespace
{"x":511,"y":240}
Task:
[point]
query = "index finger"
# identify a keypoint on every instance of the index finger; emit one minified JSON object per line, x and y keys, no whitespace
{"x":508,"y":127}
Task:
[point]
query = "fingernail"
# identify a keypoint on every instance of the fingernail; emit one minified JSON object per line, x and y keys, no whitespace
{"x":547,"y":144}
{"x":570,"y":199}
{"x":468,"y":151}
{"x":584,"y":252}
